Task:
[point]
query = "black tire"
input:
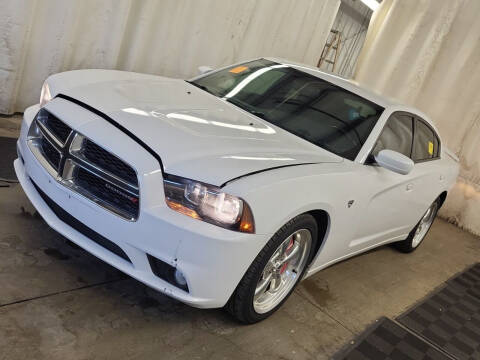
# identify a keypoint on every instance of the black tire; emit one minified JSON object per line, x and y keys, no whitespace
{"x":240,"y":304}
{"x":407,"y":246}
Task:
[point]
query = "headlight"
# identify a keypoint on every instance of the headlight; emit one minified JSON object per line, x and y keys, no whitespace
{"x":208,"y":203}
{"x":45,"y":95}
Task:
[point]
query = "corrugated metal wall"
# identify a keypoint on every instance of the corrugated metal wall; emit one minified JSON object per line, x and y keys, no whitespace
{"x":427,"y":53}
{"x":165,"y":37}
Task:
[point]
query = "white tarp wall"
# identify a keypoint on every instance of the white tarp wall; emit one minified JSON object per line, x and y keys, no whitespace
{"x":164,"y":37}
{"x":427,"y":54}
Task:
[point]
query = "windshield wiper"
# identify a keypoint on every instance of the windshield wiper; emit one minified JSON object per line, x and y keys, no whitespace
{"x":203,"y":87}
{"x":238,"y":103}
{"x":243,"y":106}
{"x":257,"y":113}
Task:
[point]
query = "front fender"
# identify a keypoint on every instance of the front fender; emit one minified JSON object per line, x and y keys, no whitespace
{"x":278,"y":195}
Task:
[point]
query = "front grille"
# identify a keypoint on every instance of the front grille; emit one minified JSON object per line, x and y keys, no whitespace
{"x":109,"y":162}
{"x":81,"y":227}
{"x":53,"y":126}
{"x":58,"y":128}
{"x":51,"y":153}
{"x":83,"y":166}
{"x":114,"y":196}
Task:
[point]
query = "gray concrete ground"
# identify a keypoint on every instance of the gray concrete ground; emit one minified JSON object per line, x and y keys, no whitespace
{"x":59,"y":302}
{"x":10,"y":125}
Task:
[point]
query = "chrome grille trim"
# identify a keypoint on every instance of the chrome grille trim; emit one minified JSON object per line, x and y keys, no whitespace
{"x":49,"y":135}
{"x":72,"y":159}
{"x":81,"y":160}
{"x":35,"y":146}
{"x":42,"y":118}
{"x":73,"y":185}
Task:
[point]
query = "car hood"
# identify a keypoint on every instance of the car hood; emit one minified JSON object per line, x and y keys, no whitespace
{"x":196,"y":134}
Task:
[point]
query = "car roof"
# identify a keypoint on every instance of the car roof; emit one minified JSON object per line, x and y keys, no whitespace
{"x":348,"y":84}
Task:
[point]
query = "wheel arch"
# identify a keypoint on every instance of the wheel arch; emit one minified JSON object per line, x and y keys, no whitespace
{"x":322,"y":218}
{"x":442,"y":197}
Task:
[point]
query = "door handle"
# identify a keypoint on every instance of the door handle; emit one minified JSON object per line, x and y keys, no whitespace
{"x":409,"y":187}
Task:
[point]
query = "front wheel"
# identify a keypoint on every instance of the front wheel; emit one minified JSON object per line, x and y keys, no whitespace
{"x":275,"y":272}
{"x":419,"y":232}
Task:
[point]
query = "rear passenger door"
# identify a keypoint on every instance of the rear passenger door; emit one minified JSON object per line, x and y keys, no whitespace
{"x":428,"y":168}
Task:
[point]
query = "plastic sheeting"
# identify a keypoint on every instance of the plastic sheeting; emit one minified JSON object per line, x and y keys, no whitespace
{"x":426,"y":53}
{"x":164,"y":37}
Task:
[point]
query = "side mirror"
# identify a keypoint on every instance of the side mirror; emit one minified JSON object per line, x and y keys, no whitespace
{"x":394,"y":161}
{"x":204,"y":69}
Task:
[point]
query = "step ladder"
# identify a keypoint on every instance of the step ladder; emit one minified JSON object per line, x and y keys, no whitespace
{"x":332,"y":44}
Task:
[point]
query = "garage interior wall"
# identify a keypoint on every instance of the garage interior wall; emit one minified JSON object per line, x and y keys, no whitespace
{"x":426,"y":53}
{"x":168,"y":37}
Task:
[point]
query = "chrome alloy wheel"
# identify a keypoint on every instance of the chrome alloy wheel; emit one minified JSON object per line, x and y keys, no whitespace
{"x":282,"y":271}
{"x":424,"y":225}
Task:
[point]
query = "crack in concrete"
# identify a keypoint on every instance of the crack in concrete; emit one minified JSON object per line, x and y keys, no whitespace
{"x":325,"y":312}
{"x":60,"y":292}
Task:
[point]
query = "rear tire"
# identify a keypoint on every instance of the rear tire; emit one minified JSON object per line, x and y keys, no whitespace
{"x":256,"y":297}
{"x":420,"y":231}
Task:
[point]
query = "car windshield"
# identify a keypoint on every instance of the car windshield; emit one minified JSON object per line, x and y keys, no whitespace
{"x":305,"y":105}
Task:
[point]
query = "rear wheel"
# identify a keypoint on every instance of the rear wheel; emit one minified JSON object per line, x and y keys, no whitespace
{"x":419,"y":232}
{"x":275,"y":272}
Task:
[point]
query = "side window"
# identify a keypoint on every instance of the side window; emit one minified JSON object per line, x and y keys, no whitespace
{"x":396,"y":135}
{"x":436,"y":146}
{"x":425,"y":145}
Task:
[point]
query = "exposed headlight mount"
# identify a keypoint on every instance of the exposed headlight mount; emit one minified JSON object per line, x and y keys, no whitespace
{"x":208,"y":203}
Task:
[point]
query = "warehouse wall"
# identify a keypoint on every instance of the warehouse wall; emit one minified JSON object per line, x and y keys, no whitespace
{"x":167,"y":37}
{"x":427,"y":53}
{"x":352,"y":21}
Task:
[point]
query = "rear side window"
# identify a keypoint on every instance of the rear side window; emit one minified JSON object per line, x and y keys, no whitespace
{"x":397,"y":135}
{"x":425,"y":144}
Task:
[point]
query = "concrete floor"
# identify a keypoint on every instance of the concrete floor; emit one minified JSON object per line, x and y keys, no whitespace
{"x":10,"y":125}
{"x":59,"y":302}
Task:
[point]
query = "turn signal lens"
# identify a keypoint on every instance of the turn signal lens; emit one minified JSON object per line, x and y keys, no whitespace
{"x":246,"y":222}
{"x":182,"y":209}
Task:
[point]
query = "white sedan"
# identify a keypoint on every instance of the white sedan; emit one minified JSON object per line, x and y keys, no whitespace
{"x":228,"y":189}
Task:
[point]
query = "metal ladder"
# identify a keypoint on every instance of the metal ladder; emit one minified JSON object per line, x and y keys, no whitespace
{"x":334,"y":44}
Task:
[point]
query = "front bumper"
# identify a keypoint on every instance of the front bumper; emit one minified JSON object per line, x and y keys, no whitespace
{"x":212,"y":259}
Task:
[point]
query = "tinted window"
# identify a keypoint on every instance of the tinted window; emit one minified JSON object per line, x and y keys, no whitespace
{"x":309,"y":107}
{"x":425,"y":145}
{"x":396,"y":135}
{"x":436,"y":146}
